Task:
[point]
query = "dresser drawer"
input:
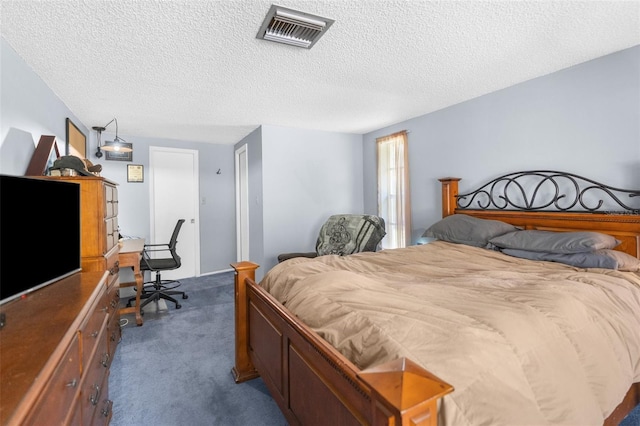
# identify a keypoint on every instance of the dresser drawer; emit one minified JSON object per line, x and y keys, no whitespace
{"x":93,"y":389}
{"x":113,"y":324}
{"x":58,"y":395}
{"x":112,"y":264}
{"x":75,"y":415}
{"x":113,"y":297}
{"x":104,"y":409}
{"x":93,"y":328}
{"x":114,"y":333}
{"x":111,"y":233}
{"x":110,"y":200}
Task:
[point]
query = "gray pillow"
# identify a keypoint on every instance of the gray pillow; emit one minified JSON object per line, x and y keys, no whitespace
{"x":626,"y":262}
{"x":469,"y":230}
{"x":555,"y":242}
{"x":580,"y":260}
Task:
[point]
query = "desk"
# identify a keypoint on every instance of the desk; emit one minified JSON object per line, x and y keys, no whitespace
{"x":129,"y":257}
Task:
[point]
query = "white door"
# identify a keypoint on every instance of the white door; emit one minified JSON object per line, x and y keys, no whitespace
{"x":242,"y":204}
{"x":173,"y":178}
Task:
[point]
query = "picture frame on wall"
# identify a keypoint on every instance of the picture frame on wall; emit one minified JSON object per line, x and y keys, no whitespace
{"x":120,"y":156}
{"x":76,"y":140}
{"x":135,"y":173}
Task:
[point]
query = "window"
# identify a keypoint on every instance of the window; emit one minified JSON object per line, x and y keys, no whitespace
{"x":393,"y":189}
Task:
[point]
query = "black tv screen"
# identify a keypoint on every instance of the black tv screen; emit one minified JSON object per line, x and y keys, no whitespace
{"x":39,"y":233}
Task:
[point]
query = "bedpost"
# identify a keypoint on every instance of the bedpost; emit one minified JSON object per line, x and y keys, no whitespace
{"x":244,"y":369}
{"x":403,"y":393}
{"x":449,"y":194}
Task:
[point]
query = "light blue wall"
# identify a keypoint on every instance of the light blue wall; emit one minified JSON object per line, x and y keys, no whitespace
{"x":217,"y":214}
{"x":584,"y":120}
{"x":306,"y":176}
{"x":29,"y":109}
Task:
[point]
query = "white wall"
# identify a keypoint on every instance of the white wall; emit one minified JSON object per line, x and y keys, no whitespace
{"x":584,"y":120}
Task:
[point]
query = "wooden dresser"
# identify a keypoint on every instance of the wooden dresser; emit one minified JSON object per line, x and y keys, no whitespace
{"x":99,"y":247}
{"x":54,"y":358}
{"x":58,"y":343}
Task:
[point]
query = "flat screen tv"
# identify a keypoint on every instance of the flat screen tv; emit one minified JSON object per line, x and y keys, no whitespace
{"x":39,"y":233}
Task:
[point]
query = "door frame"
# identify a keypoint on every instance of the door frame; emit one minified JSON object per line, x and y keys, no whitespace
{"x":196,"y":208}
{"x":242,"y":209}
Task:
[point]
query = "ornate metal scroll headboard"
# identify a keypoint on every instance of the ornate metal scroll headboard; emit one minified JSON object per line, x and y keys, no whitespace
{"x":540,"y":190}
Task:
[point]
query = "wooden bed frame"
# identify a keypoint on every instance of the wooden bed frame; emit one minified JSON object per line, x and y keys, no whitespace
{"x":313,"y":383}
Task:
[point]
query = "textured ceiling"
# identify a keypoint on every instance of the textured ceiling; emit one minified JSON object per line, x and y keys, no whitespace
{"x":194,"y":70}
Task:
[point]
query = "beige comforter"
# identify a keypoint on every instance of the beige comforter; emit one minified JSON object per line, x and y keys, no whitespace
{"x":522,"y":342}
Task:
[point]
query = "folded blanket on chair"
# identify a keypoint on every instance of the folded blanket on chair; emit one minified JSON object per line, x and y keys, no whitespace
{"x":350,"y":233}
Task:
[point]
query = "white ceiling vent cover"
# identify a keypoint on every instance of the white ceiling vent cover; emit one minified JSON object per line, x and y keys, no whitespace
{"x":289,"y":26}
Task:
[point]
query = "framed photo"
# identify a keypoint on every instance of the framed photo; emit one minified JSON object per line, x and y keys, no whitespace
{"x":120,"y":156}
{"x":76,"y":141}
{"x":43,"y":157}
{"x":135,"y":173}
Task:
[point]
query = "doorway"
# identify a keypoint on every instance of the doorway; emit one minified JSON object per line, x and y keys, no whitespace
{"x":242,"y":204}
{"x":174,"y":186}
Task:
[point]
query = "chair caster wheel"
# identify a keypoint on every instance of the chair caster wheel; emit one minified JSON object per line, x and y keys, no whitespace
{"x":185,"y":296}
{"x":178,"y":306}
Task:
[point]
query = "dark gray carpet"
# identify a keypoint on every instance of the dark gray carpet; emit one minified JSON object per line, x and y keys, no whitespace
{"x":176,"y":368}
{"x":633,"y":418}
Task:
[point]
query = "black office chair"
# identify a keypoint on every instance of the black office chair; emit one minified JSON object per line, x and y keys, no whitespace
{"x":159,"y":288}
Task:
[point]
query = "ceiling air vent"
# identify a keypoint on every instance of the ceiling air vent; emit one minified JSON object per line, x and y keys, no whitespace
{"x":289,"y":26}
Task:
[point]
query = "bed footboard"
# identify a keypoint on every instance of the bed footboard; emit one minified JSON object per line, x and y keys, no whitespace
{"x":243,"y":369}
{"x":311,"y":382}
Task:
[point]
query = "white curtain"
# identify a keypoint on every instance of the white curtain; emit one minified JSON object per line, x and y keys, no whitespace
{"x":394,"y":196}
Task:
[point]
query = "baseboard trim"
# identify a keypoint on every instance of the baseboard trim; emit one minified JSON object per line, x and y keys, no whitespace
{"x":222,"y":271}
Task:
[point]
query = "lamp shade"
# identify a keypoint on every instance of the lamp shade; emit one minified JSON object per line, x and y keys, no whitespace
{"x":116,"y":146}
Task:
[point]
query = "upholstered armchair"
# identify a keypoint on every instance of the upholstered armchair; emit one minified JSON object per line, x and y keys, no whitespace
{"x":344,"y":234}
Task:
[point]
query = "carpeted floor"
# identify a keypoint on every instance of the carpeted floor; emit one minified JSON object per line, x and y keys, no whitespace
{"x":632,"y":419}
{"x":175,"y":369}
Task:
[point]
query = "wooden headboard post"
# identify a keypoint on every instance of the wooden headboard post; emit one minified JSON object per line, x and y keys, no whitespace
{"x":243,"y":369}
{"x":449,"y":195}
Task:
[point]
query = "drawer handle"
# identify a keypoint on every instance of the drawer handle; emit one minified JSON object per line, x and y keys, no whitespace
{"x":93,"y":399}
{"x":115,"y":269}
{"x":72,"y":383}
{"x":94,"y":334}
{"x":107,"y":409}
{"x":105,"y":360}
